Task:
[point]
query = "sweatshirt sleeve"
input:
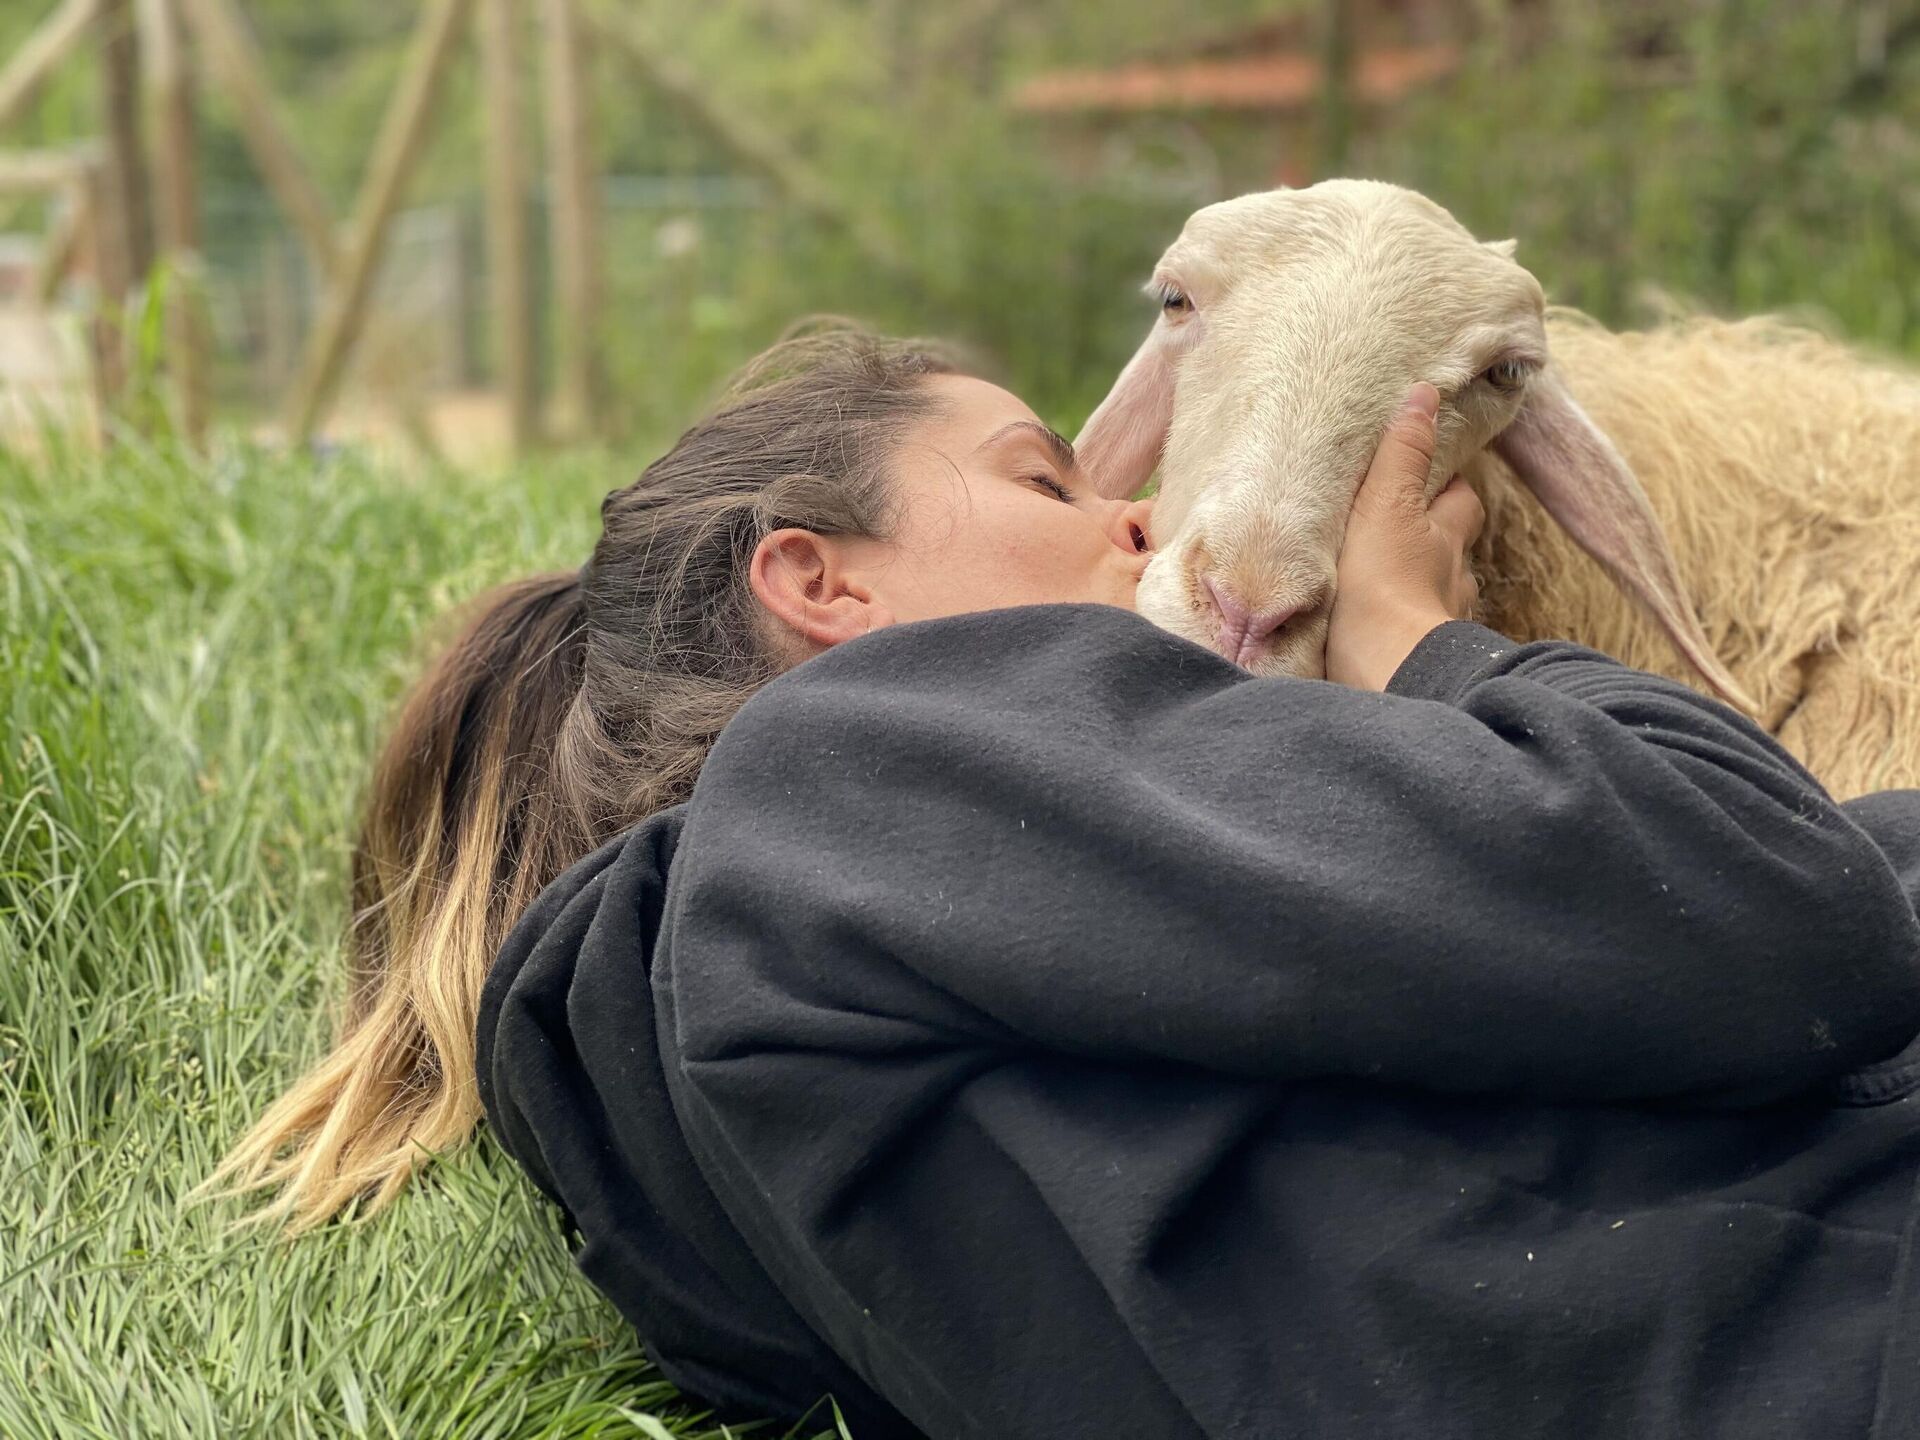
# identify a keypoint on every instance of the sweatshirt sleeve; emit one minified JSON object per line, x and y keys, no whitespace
{"x":1524,"y":870}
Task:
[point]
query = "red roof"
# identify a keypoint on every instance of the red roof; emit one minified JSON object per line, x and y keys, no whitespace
{"x":1282,"y":80}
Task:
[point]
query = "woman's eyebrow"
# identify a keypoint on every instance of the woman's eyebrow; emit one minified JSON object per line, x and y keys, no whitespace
{"x":1055,"y":441}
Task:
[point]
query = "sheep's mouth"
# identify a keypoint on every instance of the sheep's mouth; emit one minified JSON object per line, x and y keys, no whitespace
{"x":1297,"y":650}
{"x":1172,"y":595}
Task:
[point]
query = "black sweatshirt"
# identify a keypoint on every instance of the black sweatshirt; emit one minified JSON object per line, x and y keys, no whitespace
{"x":1037,"y":1026}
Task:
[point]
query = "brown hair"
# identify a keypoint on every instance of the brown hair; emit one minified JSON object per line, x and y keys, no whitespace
{"x":568,"y":709}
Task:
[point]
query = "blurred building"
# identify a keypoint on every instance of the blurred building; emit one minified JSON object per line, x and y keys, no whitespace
{"x":1254,"y":107}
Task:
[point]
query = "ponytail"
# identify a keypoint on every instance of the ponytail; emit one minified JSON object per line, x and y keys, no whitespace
{"x":568,"y":710}
{"x":464,"y":824}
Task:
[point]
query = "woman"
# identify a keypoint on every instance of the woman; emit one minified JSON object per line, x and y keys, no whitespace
{"x":1031,"y":1024}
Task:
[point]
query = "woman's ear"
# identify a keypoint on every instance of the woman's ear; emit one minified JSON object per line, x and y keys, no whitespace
{"x":804,"y":583}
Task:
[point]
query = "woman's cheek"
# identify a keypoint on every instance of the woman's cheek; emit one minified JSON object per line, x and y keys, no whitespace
{"x":1055,"y":564}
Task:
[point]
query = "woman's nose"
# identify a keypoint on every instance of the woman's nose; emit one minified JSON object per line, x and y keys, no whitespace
{"x":1131,"y":526}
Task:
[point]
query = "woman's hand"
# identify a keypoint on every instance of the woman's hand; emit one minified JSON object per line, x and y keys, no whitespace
{"x":1403,"y":566}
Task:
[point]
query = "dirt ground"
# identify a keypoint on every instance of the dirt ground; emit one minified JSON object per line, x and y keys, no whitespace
{"x":43,"y":376}
{"x":44,"y":385}
{"x":467,"y":428}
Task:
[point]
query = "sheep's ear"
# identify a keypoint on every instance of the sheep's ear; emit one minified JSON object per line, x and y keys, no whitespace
{"x":1120,"y":444}
{"x":1586,"y":485}
{"x":1503,"y":248}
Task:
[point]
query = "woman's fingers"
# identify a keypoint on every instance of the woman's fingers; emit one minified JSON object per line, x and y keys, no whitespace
{"x":1403,"y":567}
{"x":1458,"y":512}
{"x":1397,"y":478}
{"x":1458,"y":517}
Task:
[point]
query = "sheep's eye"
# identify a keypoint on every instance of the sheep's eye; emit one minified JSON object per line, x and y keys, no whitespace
{"x":1174,"y":300}
{"x":1508,"y":374}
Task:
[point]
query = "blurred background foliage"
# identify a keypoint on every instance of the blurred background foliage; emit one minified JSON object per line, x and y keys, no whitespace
{"x":1737,"y":154}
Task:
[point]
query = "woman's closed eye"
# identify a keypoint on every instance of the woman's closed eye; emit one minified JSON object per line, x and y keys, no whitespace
{"x":1052,"y":487}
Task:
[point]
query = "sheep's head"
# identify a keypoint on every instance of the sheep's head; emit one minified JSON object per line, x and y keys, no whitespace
{"x":1292,"y":325}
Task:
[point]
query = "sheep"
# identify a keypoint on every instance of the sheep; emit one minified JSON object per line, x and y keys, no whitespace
{"x":1752,"y":485}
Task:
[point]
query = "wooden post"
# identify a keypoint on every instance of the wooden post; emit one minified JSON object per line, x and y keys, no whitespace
{"x":64,"y":236}
{"x":43,"y":171}
{"x":1336,"y":87}
{"x":511,"y":307}
{"x":402,"y":130}
{"x":278,"y":322}
{"x":574,"y":220}
{"x":39,"y":53}
{"x":759,"y":149}
{"x":170,"y":93}
{"x":234,"y":61}
{"x":120,"y":127}
{"x":106,"y":243}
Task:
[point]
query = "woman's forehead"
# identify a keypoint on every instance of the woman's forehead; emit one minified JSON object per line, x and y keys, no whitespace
{"x":970,"y":407}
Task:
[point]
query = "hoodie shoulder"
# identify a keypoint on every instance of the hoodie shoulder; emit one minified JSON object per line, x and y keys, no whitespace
{"x":523,"y":1002}
{"x":949,"y":675}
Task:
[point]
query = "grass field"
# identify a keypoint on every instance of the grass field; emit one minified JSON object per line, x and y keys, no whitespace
{"x":194,"y":660}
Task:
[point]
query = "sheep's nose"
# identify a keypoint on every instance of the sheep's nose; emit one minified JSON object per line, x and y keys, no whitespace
{"x":1242,"y":629}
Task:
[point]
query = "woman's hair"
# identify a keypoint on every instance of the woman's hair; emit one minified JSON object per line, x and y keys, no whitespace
{"x":567,"y":709}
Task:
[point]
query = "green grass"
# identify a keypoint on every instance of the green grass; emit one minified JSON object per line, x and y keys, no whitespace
{"x":194,"y":660}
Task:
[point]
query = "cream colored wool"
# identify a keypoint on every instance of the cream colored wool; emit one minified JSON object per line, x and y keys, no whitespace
{"x":1786,"y":473}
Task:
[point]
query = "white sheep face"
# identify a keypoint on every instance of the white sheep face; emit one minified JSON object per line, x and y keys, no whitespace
{"x":1293,"y":324}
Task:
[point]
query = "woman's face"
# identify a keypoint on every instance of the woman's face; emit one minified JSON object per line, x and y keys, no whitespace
{"x":993,"y":512}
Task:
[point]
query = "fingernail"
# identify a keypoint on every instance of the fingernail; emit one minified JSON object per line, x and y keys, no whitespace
{"x":1423,"y":399}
